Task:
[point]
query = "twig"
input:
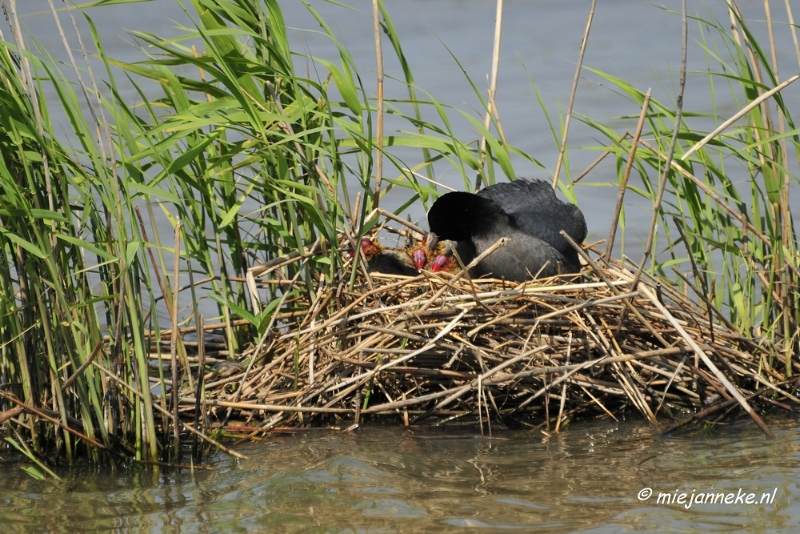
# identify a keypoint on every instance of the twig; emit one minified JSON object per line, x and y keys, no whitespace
{"x":53,"y":419}
{"x":174,"y":340}
{"x":83,"y":367}
{"x":201,"y":371}
{"x":574,"y":91}
{"x":166,"y":412}
{"x":392,"y":216}
{"x":564,"y":387}
{"x":603,"y":277}
{"x":430,"y":180}
{"x":793,"y":28}
{"x":711,"y":193}
{"x":490,"y":104}
{"x":599,"y":159}
{"x":625,"y":175}
{"x":713,"y":368}
{"x":744,"y":111}
{"x":662,"y":184}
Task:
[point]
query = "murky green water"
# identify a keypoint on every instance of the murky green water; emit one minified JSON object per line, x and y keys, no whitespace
{"x":587,"y":479}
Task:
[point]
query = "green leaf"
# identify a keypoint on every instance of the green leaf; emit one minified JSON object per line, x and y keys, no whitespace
{"x":88,"y":246}
{"x":27,"y":245}
{"x":345,"y":86}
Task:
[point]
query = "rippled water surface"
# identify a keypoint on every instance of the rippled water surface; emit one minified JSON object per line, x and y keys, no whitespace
{"x":587,"y":478}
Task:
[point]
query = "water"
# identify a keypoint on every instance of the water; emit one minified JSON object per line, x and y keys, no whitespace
{"x":423,"y":480}
{"x":586,"y":479}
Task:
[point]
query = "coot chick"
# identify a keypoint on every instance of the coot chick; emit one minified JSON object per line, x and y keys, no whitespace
{"x":437,"y":254}
{"x":446,"y":261}
{"x":528,"y":213}
{"x":386,"y":260}
{"x":426,"y":250}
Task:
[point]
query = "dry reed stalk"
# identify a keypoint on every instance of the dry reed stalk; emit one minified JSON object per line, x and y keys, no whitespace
{"x":793,"y":27}
{"x":717,"y":373}
{"x":623,"y":186}
{"x":184,"y":425}
{"x":664,"y":178}
{"x":746,"y":224}
{"x":174,"y":340}
{"x":738,"y":115}
{"x":572,"y":94}
{"x":199,"y":392}
{"x":603,"y":155}
{"x":491,"y":107}
{"x":50,"y":415}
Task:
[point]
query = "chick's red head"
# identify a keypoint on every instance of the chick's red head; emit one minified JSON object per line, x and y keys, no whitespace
{"x":419,"y":257}
{"x":440,"y":263}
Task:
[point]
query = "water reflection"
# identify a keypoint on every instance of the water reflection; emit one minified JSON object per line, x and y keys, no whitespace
{"x":390,"y":479}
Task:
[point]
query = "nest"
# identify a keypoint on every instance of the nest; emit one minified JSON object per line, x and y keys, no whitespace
{"x":449,"y":348}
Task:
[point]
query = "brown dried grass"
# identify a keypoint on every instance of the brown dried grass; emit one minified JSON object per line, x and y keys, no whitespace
{"x":447,"y":348}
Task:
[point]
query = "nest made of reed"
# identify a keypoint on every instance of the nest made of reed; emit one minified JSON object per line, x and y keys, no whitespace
{"x":453,"y":348}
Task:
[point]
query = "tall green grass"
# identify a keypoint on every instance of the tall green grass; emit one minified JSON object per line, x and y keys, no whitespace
{"x":254,"y":160}
{"x":726,"y":221}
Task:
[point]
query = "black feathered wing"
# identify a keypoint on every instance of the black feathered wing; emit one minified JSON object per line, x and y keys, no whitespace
{"x":538,"y":212}
{"x":522,"y":258}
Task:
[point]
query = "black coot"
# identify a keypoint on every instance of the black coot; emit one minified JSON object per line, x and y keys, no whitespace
{"x":528,"y":213}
